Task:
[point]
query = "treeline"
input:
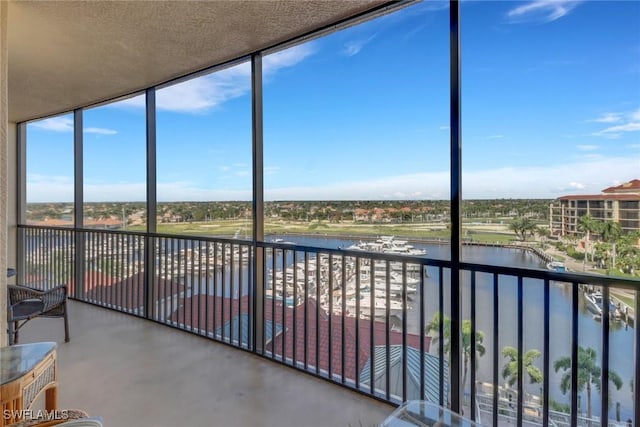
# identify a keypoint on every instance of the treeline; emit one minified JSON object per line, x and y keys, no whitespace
{"x":325,"y":210}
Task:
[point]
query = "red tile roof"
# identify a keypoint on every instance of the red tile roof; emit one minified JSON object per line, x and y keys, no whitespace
{"x":627,"y":191}
{"x":286,"y":317}
{"x":127,"y":293}
{"x":631,"y":186}
{"x":601,"y":197}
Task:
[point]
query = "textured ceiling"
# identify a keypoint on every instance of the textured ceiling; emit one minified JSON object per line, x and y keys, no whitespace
{"x":68,"y":54}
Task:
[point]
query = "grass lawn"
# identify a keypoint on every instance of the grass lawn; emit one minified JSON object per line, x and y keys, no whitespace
{"x":489,"y":237}
{"x":623,"y":297}
{"x":228,"y":228}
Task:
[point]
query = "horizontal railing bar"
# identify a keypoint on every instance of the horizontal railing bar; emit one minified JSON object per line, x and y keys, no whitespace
{"x":357,"y":253}
{"x":538,"y":273}
{"x":532,"y":273}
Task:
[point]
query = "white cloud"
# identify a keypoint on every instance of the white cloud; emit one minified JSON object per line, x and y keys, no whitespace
{"x":630,"y":122}
{"x":592,"y":156}
{"x":614,"y":132}
{"x":493,"y":137}
{"x":55,"y":124}
{"x":586,"y":176}
{"x":286,"y":58}
{"x":608,"y":118}
{"x":587,"y":147}
{"x":48,"y":188}
{"x":100,"y":131}
{"x":577,"y":186}
{"x":629,"y":127}
{"x":354,"y":47}
{"x":507,"y":182}
{"x":542,"y":11}
{"x":65,"y":124}
{"x":445,"y":127}
{"x":205,"y":93}
{"x":633,"y":146}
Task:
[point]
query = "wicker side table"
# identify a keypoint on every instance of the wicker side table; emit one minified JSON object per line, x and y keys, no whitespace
{"x":25,"y":372}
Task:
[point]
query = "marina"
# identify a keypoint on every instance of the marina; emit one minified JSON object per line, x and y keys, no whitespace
{"x":365,"y":288}
{"x":621,"y":338}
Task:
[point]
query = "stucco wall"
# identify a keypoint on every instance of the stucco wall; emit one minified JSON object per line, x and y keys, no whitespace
{"x":3,"y":171}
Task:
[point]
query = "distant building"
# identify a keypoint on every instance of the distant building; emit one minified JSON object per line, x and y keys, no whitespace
{"x":620,"y":203}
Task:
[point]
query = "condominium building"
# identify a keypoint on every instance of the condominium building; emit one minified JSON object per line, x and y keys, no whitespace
{"x":620,"y":203}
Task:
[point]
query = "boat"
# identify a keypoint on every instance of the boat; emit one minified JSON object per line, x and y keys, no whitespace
{"x":387,"y":245}
{"x":282,"y":242}
{"x":395,"y":276}
{"x":390,"y":245}
{"x":380,"y":307}
{"x":594,"y":304}
{"x":395,"y":288}
{"x":557,"y":266}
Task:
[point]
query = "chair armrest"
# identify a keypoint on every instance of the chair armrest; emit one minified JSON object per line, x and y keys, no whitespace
{"x":18,"y":294}
{"x":50,"y":298}
{"x":54,"y":297}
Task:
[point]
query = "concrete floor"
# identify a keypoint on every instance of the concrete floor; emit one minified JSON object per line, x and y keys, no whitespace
{"x":136,"y":373}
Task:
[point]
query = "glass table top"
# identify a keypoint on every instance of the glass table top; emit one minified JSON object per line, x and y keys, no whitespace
{"x":425,"y":414}
{"x":18,"y":360}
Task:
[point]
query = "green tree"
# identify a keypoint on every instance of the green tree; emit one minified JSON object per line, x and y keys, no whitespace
{"x":588,"y":374}
{"x":523,"y":227}
{"x":611,"y":232}
{"x":434,"y":326}
{"x":510,"y":369}
{"x":588,"y":225}
{"x":544,"y":234}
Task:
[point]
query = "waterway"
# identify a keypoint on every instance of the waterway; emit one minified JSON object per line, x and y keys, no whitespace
{"x":590,"y":330}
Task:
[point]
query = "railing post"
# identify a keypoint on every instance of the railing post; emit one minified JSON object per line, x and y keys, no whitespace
{"x":604,"y":366}
{"x":258,"y":202}
{"x":456,"y":199}
{"x":78,"y":200}
{"x":149,"y":241}
{"x":21,"y":199}
{"x":636,"y":381}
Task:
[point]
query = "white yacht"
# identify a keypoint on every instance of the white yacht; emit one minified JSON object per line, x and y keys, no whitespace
{"x":380,"y":307}
{"x":388,"y":245}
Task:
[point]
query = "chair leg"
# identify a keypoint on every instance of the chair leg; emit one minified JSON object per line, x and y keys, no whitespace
{"x":10,"y":332}
{"x":16,"y":326}
{"x":66,"y":324}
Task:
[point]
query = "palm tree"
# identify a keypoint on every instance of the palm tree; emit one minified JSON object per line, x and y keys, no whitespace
{"x":510,"y":369}
{"x":523,"y":227}
{"x":611,"y":232}
{"x":588,"y":224}
{"x":588,"y":374}
{"x":544,"y":234}
{"x":434,"y":326}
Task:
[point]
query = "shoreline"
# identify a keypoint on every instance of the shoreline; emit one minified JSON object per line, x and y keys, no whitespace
{"x":548,"y":255}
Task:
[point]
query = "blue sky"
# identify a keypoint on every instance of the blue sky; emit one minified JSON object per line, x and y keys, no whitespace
{"x":551,"y":106}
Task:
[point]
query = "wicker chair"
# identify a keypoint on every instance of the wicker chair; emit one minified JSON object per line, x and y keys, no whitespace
{"x":27,"y":303}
